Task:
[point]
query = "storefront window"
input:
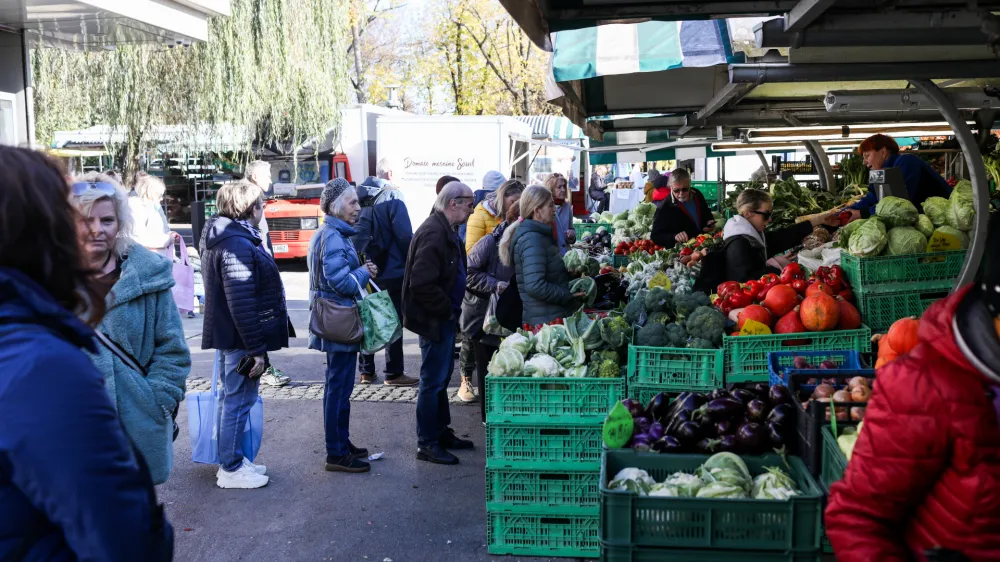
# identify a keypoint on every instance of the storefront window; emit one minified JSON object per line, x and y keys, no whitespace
{"x":8,"y":127}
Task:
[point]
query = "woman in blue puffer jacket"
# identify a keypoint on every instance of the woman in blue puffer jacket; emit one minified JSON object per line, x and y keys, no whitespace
{"x":336,"y":273}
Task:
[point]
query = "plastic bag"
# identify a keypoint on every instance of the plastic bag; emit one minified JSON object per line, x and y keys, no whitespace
{"x":183,"y":289}
{"x":491,"y":325}
{"x":203,"y":423}
{"x":379,"y":319}
{"x":825,"y":255}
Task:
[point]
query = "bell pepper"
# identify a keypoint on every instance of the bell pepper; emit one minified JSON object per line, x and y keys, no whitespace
{"x":800,"y":286}
{"x":755,"y":287}
{"x":740,"y":299}
{"x":769,"y":278}
{"x":792,"y":272}
{"x":687,"y":251}
{"x":724,"y":306}
{"x":844,"y":217}
{"x":727,"y":288}
{"x":767,"y":287}
{"x":835,"y":279}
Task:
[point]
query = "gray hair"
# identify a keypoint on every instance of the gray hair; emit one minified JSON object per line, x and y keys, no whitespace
{"x":84,"y":203}
{"x":449,"y":193}
{"x":237,"y":199}
{"x":678,"y":175}
{"x":384,"y":166}
{"x":256,"y":169}
{"x":150,"y":188}
{"x":337,"y":205}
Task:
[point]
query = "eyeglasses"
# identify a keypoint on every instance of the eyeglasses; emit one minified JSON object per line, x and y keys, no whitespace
{"x":681,"y":189}
{"x":765,"y":214}
{"x":103,"y":187}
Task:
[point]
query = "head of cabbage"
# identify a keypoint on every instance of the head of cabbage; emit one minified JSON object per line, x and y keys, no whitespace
{"x":584,"y":285}
{"x":869,"y":239}
{"x":925,"y":226}
{"x":963,"y":239}
{"x":905,"y":240}
{"x":961,"y":207}
{"x":936,"y":209}
{"x":896,"y":211}
{"x":575,"y":261}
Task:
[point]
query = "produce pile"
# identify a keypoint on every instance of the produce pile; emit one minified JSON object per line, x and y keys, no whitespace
{"x":792,"y":303}
{"x":899,"y":340}
{"x":792,"y":200}
{"x":897,"y":228}
{"x":597,"y":244}
{"x":675,"y":320}
{"x":632,"y":225}
{"x":848,"y":438}
{"x":723,"y":475}
{"x":857,"y":390}
{"x":746,"y":421}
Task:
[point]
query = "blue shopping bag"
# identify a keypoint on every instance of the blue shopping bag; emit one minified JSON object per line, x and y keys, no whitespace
{"x":203,"y":423}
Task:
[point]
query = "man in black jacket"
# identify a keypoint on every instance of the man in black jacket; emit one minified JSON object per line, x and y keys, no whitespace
{"x":683,"y":215}
{"x":433,"y":288}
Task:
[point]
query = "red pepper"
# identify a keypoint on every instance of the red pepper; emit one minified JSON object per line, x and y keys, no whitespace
{"x":740,"y":299}
{"x":767,"y":287}
{"x":724,"y":306}
{"x":844,"y":217}
{"x":800,"y":286}
{"x":792,"y":272}
{"x":835,"y":279}
{"x":727,"y":288}
{"x":700,"y":238}
{"x":769,"y":278}
{"x":687,"y":251}
{"x":755,"y":287}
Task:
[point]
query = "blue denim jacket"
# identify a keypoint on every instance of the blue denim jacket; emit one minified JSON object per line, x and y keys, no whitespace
{"x":340,"y":275}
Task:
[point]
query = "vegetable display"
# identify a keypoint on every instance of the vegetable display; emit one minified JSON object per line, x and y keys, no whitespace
{"x":723,"y":475}
{"x":848,"y":438}
{"x":856,"y":390}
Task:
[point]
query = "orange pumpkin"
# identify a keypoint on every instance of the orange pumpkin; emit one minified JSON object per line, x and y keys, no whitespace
{"x":819,"y":312}
{"x":818,"y":287}
{"x":902,"y":335}
{"x":883,"y":361}
{"x":850,"y":318}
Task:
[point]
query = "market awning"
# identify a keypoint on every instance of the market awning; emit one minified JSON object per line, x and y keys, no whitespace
{"x":552,"y":127}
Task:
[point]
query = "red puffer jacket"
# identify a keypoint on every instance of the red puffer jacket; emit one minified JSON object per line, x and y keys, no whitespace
{"x":926,"y":467}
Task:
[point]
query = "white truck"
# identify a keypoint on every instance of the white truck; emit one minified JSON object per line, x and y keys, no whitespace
{"x":424,"y":148}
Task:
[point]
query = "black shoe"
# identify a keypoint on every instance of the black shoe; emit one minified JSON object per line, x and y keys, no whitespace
{"x":346,"y":464}
{"x":436,"y":455}
{"x":357,"y":452}
{"x":449,"y":440}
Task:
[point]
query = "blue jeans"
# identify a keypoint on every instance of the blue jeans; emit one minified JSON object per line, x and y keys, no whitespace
{"x":340,"y":367}
{"x":237,"y":395}
{"x":436,"y":365}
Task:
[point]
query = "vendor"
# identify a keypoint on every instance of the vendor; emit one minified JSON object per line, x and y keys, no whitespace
{"x":881,"y":151}
{"x":682,"y":214}
{"x":747,"y":249}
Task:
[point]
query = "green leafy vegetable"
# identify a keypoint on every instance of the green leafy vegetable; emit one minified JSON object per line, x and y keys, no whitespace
{"x":847,"y":231}
{"x":549,"y":338}
{"x":728,"y":460}
{"x":575,"y":261}
{"x":961,"y":207}
{"x":925,"y":226}
{"x":687,"y":484}
{"x":936,"y":209}
{"x":721,"y":490}
{"x":869,"y":239}
{"x":951,"y":231}
{"x":506,"y":362}
{"x":905,"y":240}
{"x":896,"y":211}
{"x":584,"y":285}
{"x":582,"y":327}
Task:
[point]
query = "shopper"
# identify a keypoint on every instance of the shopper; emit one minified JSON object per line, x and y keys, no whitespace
{"x":649,"y":185}
{"x":433,"y":289}
{"x":599,"y":192}
{"x":683,"y":212}
{"x":336,"y":273}
{"x":150,"y":228}
{"x":530,"y":248}
{"x":492,"y":181}
{"x":383,"y":237}
{"x":563,"y":216}
{"x":245,"y":316}
{"x":748,"y":252}
{"x":71,"y":487}
{"x":924,"y":471}
{"x":443,"y":181}
{"x":881,"y":151}
{"x":141,"y":320}
{"x":488,"y":275}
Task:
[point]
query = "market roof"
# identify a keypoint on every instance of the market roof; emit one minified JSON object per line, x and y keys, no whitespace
{"x":552,"y":127}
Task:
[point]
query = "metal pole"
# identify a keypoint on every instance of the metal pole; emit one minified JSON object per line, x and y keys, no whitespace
{"x":977,"y":172}
{"x":826,"y":179}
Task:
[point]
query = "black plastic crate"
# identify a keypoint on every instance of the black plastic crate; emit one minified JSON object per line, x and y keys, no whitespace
{"x":809,"y":421}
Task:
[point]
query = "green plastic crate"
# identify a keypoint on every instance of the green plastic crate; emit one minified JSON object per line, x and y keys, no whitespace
{"x":746,"y":356}
{"x":534,"y":534}
{"x":710,"y":189}
{"x":834,"y":461}
{"x":582,"y":228}
{"x":676,"y":369}
{"x":546,"y":400}
{"x":628,"y":553}
{"x":880,"y":309}
{"x":696,"y":523}
{"x":619,"y":261}
{"x":544,"y":446}
{"x":209,"y":209}
{"x":645,"y":392}
{"x":892,"y":273}
{"x":568,"y":491}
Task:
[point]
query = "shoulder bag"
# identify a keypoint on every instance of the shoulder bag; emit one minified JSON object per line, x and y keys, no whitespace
{"x":330,"y":320}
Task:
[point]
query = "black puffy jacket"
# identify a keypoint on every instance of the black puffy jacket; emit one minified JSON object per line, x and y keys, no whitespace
{"x":244,"y":300}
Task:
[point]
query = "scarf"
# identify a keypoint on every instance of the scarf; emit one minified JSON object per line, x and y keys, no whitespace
{"x":250,"y":228}
{"x":740,"y":226}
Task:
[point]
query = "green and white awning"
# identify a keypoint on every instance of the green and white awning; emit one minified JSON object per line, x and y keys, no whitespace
{"x":552,"y":127}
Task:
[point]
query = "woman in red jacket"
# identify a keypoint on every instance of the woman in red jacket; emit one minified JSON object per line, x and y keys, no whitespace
{"x":925,"y":473}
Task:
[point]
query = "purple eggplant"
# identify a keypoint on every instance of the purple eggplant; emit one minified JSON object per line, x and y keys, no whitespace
{"x":751,"y":437}
{"x":777,"y":436}
{"x":782,"y":415}
{"x":728,"y":443}
{"x":760,"y":389}
{"x":668,"y":444}
{"x":707,"y":446}
{"x":658,"y":407}
{"x":634,"y":407}
{"x":641,"y":440}
{"x":678,"y":418}
{"x":721,"y":409}
{"x":716,"y":394}
{"x":757,"y":411}
{"x":686,"y":401}
{"x":687,"y":432}
{"x":742,"y":395}
{"x":779,"y":394}
{"x":642,"y":424}
{"x":723,"y":427}
{"x":656,"y":431}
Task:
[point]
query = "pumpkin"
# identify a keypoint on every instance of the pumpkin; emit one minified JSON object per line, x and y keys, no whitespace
{"x":883,"y":361}
{"x":781,"y":299}
{"x":819,"y":312}
{"x":789,"y":324}
{"x":817,"y":287}
{"x":850,"y":318}
{"x":902,"y":335}
{"x":756,"y":313}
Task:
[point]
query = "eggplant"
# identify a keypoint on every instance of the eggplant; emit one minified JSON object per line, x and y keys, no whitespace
{"x":779,"y":394}
{"x":757,"y":411}
{"x":641,"y":440}
{"x":673,"y":406}
{"x":668,"y":444}
{"x":742,"y":395}
{"x":751,"y":438}
{"x":760,"y":389}
{"x":716,"y":394}
{"x":642,"y":424}
{"x":656,"y":431}
{"x":782,"y":415}
{"x":687,"y":432}
{"x":723,"y":427}
{"x":777,"y":435}
{"x":687,"y":401}
{"x":721,"y":408}
{"x":707,"y":446}
{"x":658,"y":407}
{"x":679,"y":418}
{"x":728,"y":443}
{"x":634,"y":407}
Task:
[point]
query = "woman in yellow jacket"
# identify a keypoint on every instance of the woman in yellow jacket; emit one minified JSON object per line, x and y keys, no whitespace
{"x":647,"y":190}
{"x":491,"y":211}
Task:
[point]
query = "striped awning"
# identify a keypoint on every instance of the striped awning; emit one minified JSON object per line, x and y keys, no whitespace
{"x":639,"y":47}
{"x":552,"y":127}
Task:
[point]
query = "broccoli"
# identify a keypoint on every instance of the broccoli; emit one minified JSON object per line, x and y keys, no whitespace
{"x":707,"y":323}
{"x":698,"y":343}
{"x":684,"y":305}
{"x":608,"y":370}
{"x":677,"y":336}
{"x":604,"y":355}
{"x":653,"y":334}
{"x":658,"y":299}
{"x":635,"y":307}
{"x":661,"y":317}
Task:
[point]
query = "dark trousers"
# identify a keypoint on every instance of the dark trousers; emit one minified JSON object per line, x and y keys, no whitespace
{"x":337,"y":401}
{"x":484,"y":353}
{"x":467,"y":357}
{"x":394,"y":352}
{"x":437,"y":362}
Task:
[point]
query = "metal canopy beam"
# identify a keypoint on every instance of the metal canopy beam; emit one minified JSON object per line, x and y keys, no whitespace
{"x":728,"y":93}
{"x":823,"y":72}
{"x":903,"y":28}
{"x":905,"y":100}
{"x":804,"y":13}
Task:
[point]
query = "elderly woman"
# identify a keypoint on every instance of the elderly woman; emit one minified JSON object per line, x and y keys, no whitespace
{"x":530,"y":248}
{"x":563,"y":211}
{"x":141,"y":319}
{"x":245,"y":316}
{"x":150,"y":227}
{"x":337,"y":274}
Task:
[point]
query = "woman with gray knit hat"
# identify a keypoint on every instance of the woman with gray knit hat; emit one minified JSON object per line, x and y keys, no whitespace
{"x":337,"y":274}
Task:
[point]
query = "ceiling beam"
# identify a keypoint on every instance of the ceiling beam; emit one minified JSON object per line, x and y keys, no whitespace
{"x":728,"y":93}
{"x":832,"y":72}
{"x":903,"y":28}
{"x":805,"y":13}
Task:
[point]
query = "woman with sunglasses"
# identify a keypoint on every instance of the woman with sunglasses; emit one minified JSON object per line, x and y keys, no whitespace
{"x":748,"y":249}
{"x":682,"y":211}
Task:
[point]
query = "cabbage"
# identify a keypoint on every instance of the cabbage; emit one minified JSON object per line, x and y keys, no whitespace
{"x":847,"y":231}
{"x":869,"y":239}
{"x":521,"y":342}
{"x":687,"y":484}
{"x":721,"y":490}
{"x":896,"y":211}
{"x":549,"y":338}
{"x":663,"y":491}
{"x":961,"y":208}
{"x":575,"y":261}
{"x":936,"y":209}
{"x":726,"y":475}
{"x":727,"y":460}
{"x":905,"y":240}
{"x":584,"y":285}
{"x":506,"y":362}
{"x":925,"y":226}
{"x":633,"y":480}
{"x":963,"y":238}
{"x":542,"y":365}
{"x":773,"y":479}
{"x":644,"y":210}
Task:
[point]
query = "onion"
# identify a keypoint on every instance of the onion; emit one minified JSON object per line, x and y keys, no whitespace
{"x":801,"y":363}
{"x":860,"y":394}
{"x":858,"y":413}
{"x":842,"y":414}
{"x":824,"y":390}
{"x":841,"y":396}
{"x":828,"y":365}
{"x":856,"y":382}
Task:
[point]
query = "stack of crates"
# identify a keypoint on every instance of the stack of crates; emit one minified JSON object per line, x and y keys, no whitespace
{"x":892,"y":287}
{"x":543,"y":462}
{"x":652,"y":370}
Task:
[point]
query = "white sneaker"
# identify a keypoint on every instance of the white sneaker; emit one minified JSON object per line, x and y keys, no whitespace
{"x":274,"y":377}
{"x":244,"y":479}
{"x":258,"y":468}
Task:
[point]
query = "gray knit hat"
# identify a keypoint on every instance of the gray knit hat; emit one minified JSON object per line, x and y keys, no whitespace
{"x":331,"y":191}
{"x":493,"y":180}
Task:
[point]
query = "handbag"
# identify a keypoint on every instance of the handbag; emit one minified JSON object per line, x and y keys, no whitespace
{"x":378,"y":318}
{"x":183,"y":289}
{"x":330,"y":320}
{"x":203,"y":423}
{"x":509,"y":307}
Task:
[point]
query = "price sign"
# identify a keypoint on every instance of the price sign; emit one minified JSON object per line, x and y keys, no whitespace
{"x":754,"y":328}
{"x":618,"y":427}
{"x":942,"y":242}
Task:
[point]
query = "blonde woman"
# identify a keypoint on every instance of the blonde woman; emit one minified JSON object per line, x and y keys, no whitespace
{"x":141,"y":319}
{"x":150,"y":222}
{"x":558,"y":186}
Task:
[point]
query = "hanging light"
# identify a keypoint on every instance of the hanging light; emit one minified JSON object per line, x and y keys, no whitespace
{"x":856,"y":132}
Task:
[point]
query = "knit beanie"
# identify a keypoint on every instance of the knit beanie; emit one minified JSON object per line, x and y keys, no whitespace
{"x":331,"y":191}
{"x":493,"y":180}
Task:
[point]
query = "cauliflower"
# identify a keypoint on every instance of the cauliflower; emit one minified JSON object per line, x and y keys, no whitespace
{"x":677,"y":336}
{"x":706,"y":323}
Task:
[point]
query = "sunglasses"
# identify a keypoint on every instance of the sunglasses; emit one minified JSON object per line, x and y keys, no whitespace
{"x":681,"y":190}
{"x":765,"y":214}
{"x":103,"y":187}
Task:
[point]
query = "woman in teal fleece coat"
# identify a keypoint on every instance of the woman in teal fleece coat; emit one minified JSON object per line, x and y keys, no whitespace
{"x":141,"y":319}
